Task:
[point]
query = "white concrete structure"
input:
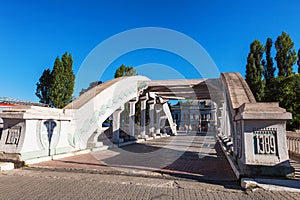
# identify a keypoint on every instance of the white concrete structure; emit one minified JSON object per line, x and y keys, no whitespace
{"x":32,"y":131}
{"x":254,"y":132}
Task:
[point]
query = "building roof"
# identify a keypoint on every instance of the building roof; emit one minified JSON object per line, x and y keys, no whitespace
{"x":7,"y":101}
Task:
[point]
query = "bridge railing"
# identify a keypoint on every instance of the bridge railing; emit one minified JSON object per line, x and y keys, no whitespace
{"x":293,"y":142}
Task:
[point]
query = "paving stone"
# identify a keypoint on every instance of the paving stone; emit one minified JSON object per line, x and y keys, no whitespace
{"x":97,"y":176}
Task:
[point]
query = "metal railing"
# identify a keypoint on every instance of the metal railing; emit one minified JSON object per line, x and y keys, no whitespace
{"x":293,"y":142}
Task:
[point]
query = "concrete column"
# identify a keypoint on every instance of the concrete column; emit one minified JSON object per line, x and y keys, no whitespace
{"x":224,"y":119}
{"x":158,"y":109}
{"x":262,"y":146}
{"x":116,"y":126}
{"x":213,"y":112}
{"x":132,"y":117}
{"x":151,"y":115}
{"x":143,"y":116}
{"x":214,"y":115}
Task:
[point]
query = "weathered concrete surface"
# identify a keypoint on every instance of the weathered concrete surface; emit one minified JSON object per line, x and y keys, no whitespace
{"x":90,"y":94}
{"x":34,"y":132}
{"x":271,"y":184}
{"x":237,"y":88}
{"x":5,"y":166}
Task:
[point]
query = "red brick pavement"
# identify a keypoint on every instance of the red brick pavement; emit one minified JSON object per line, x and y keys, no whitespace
{"x":188,"y":156}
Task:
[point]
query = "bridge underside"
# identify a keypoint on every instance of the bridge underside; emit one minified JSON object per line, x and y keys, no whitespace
{"x":197,"y":89}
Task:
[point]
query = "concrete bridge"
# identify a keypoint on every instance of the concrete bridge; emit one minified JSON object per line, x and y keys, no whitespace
{"x":254,"y":134}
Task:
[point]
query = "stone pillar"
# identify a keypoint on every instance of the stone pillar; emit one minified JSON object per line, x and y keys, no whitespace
{"x":143,"y":116}
{"x":151,"y":115}
{"x":158,"y":109}
{"x":214,"y":116}
{"x":261,"y":145}
{"x":116,"y":126}
{"x":132,"y":117}
{"x":224,"y":120}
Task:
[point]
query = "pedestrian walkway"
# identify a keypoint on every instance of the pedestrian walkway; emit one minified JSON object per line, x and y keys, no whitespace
{"x":196,"y":157}
{"x":180,"y":167}
{"x":38,"y":184}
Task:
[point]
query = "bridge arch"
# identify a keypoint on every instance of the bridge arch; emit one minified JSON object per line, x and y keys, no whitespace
{"x":254,"y":133}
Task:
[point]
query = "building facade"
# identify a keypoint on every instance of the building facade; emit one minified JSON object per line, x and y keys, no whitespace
{"x":195,"y":115}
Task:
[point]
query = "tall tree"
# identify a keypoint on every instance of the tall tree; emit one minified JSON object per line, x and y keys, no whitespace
{"x":62,"y":86}
{"x":43,"y":87}
{"x":268,"y":64}
{"x":254,"y":69}
{"x":298,"y":61}
{"x":125,"y":71}
{"x":288,"y":95}
{"x":285,"y":55}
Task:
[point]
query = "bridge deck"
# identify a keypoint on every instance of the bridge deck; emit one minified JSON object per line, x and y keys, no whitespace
{"x":183,"y":156}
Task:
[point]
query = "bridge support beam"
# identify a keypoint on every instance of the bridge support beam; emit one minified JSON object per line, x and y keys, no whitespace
{"x":158,"y":109}
{"x":214,"y":116}
{"x":151,"y":115}
{"x":132,"y":117}
{"x":143,"y":115}
{"x":116,"y":126}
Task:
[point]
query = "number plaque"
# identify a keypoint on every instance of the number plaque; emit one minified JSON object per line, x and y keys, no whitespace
{"x":13,"y":135}
{"x":265,"y":141}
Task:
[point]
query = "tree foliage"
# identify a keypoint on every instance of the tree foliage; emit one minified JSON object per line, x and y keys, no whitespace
{"x":91,"y":85}
{"x":286,"y":91}
{"x":125,"y":71}
{"x":285,"y":88}
{"x":285,"y":55}
{"x":268,"y":63}
{"x":298,"y":61}
{"x":254,"y":69}
{"x":43,"y":87}
{"x":56,"y":87}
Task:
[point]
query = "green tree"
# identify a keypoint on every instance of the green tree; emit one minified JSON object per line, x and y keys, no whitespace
{"x":125,"y":71}
{"x":285,"y":55}
{"x":268,"y":64}
{"x":43,"y":87}
{"x":63,"y":78}
{"x":129,"y":71}
{"x":298,"y":61}
{"x":254,"y":69}
{"x":287,"y":93}
{"x":91,"y":85}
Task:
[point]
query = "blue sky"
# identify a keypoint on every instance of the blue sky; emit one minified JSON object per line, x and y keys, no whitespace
{"x":33,"y":33}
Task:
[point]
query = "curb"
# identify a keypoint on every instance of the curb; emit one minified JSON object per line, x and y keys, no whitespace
{"x":64,"y":155}
{"x":6,"y":166}
{"x":270,"y":184}
{"x":232,"y":165}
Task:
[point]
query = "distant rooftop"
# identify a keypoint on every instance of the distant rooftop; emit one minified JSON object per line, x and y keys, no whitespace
{"x":13,"y":101}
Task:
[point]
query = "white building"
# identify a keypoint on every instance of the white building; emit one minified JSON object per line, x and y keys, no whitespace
{"x":197,"y":115}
